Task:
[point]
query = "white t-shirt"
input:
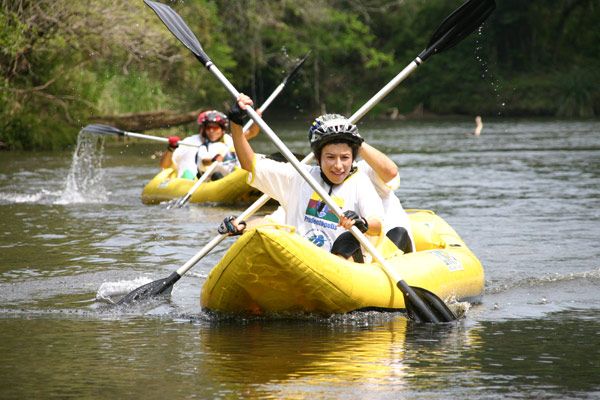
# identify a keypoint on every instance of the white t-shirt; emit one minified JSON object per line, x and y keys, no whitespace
{"x":305,"y":209}
{"x":394,"y":212}
{"x":184,"y":157}
{"x":187,"y":158}
{"x":210,"y":150}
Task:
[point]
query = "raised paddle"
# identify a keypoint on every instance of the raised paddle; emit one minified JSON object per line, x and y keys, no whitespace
{"x":164,"y":286}
{"x":102,"y":129}
{"x":279,"y":88}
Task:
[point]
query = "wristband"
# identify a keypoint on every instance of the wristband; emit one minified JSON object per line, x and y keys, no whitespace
{"x":237,"y":115}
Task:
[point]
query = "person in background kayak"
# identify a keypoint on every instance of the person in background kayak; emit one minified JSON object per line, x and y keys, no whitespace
{"x":214,"y":144}
{"x":335,"y":142}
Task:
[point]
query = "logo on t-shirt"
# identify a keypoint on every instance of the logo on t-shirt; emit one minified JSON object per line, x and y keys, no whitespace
{"x":319,"y":238}
{"x":318,"y":208}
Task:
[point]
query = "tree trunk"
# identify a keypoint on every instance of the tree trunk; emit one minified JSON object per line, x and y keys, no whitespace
{"x":139,"y":122}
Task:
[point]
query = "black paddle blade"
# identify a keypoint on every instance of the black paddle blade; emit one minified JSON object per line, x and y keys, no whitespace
{"x":102,"y":129}
{"x":424,"y":306}
{"x":175,"y":24}
{"x":296,"y":69}
{"x":434,"y":304}
{"x":458,"y":25}
{"x":161,"y":287}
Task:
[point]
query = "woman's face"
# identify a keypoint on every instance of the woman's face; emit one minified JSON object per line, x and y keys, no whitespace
{"x":213,"y":131}
{"x":336,"y":161}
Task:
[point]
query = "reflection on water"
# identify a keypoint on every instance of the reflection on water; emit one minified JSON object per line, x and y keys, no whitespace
{"x":560,"y":353}
{"x":523,"y":196}
{"x":366,"y":356}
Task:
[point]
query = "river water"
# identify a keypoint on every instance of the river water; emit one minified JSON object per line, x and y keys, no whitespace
{"x":525,"y":197}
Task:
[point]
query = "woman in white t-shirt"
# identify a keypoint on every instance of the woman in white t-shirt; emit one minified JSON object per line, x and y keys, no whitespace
{"x":335,"y":142}
{"x":384,"y":175}
{"x":211,"y":144}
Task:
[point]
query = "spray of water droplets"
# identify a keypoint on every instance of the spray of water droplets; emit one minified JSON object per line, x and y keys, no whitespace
{"x":84,"y":182}
{"x":486,"y":73}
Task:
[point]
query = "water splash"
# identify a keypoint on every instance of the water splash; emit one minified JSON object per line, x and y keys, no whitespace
{"x":20,"y":198}
{"x":85,"y":179}
{"x":109,"y":290}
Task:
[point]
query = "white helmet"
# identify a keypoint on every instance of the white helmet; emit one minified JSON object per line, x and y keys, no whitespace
{"x":333,"y":128}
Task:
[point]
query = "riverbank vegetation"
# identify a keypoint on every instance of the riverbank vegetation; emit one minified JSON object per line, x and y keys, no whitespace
{"x":64,"y":62}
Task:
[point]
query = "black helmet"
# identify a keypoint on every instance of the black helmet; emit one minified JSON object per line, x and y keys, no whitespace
{"x":333,"y":128}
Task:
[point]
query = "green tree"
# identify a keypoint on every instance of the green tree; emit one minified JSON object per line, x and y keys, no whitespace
{"x":63,"y":61}
{"x":268,"y":35}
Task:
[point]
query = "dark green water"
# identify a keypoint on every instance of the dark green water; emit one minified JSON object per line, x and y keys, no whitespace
{"x":525,"y":197}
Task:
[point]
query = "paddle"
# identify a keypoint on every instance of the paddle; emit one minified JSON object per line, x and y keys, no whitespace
{"x":417,"y":311}
{"x":458,"y":25}
{"x":279,"y":88}
{"x":102,"y":129}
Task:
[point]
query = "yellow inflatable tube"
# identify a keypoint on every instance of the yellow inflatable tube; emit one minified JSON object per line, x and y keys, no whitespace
{"x":271,"y":270}
{"x":167,"y":186}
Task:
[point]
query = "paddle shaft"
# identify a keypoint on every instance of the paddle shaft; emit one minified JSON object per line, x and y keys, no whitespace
{"x":156,"y":138}
{"x":267,"y":102}
{"x":181,"y":202}
{"x":385,"y":90}
{"x":278,"y":90}
{"x":407,"y":290}
{"x":218,"y":239}
{"x":102,"y":129}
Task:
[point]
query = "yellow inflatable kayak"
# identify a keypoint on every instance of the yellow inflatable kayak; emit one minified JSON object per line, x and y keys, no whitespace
{"x":271,"y":270}
{"x":232,"y":188}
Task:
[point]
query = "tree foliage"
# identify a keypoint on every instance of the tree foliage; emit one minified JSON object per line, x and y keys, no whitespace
{"x":63,"y":61}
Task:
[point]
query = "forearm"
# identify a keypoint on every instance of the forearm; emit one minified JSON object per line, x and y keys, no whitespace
{"x":243,"y":150}
{"x":385,"y":168}
{"x":252,"y":132}
{"x":166,"y":161}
